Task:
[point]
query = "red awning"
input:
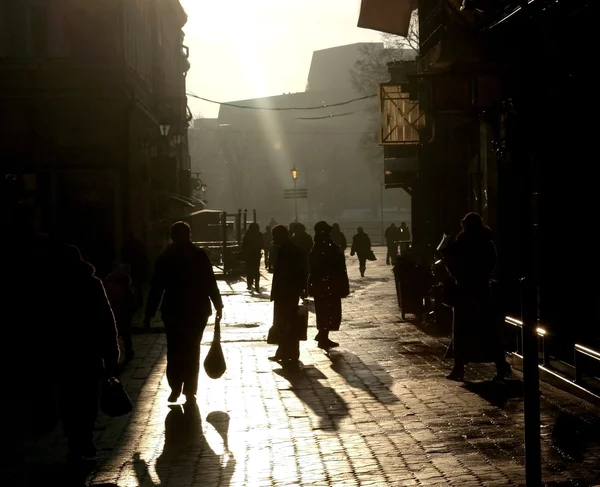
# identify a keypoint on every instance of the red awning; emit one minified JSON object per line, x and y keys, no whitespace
{"x":390,"y":16}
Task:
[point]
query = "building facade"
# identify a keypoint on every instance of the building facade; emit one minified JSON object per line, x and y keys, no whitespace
{"x":492,"y":81}
{"x":246,"y":155}
{"x":84,"y":92}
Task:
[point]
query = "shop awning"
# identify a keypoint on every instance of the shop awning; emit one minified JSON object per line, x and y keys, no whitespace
{"x":390,"y":16}
{"x":182,"y":199}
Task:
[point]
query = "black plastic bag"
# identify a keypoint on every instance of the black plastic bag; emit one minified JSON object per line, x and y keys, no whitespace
{"x":114,"y":400}
{"x":214,"y":363}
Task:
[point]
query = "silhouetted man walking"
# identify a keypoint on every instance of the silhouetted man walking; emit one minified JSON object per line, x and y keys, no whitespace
{"x":184,"y":278}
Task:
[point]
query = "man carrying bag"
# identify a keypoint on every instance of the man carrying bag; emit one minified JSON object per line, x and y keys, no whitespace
{"x":184,"y":279}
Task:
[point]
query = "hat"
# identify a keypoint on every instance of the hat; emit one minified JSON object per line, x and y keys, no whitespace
{"x":323,"y":227}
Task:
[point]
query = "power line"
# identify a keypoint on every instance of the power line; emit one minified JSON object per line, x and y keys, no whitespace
{"x":284,"y":133}
{"x":325,"y":105}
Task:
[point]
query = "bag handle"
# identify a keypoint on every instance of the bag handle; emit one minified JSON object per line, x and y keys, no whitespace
{"x":217,"y":333}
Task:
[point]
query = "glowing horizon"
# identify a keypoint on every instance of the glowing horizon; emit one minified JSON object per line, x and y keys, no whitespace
{"x":271,"y":51}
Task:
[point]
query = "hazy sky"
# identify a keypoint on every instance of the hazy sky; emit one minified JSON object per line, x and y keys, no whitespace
{"x":242,"y":49}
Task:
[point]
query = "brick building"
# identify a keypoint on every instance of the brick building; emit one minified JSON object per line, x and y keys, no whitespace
{"x":85,"y":89}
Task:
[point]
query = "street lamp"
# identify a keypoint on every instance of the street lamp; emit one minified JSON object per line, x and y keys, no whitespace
{"x":295,"y":173}
{"x":164,"y":129}
{"x":177,"y":139}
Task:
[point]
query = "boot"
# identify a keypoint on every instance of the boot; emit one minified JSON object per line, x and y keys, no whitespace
{"x":362,"y":271}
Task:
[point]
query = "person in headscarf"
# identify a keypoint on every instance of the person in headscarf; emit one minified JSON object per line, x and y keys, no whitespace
{"x":476,"y":330}
{"x":288,"y":286}
{"x":327,"y":283}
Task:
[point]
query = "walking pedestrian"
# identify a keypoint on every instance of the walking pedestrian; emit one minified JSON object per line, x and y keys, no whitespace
{"x":361,"y":246}
{"x":327,"y":283}
{"x":184,"y":279}
{"x":288,"y":286}
{"x":252,"y":246}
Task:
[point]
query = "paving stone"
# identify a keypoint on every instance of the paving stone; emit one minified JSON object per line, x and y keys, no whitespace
{"x":377,"y":411}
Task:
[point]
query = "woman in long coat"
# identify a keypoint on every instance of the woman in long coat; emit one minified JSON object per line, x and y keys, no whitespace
{"x":327,"y":283}
{"x":476,"y":331}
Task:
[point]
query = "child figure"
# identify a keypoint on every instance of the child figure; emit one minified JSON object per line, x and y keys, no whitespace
{"x":120,"y":293}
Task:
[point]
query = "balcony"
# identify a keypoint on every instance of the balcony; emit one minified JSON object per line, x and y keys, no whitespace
{"x":402,"y":120}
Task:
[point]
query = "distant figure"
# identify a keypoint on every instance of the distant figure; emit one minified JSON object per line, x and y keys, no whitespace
{"x":476,"y":331}
{"x":289,"y":283}
{"x":404,"y":237}
{"x":123,"y":302}
{"x":338,"y":237}
{"x":252,"y":246}
{"x":184,"y":279}
{"x":361,"y":246}
{"x":327,"y":283}
{"x":391,"y":235}
{"x":268,"y":245}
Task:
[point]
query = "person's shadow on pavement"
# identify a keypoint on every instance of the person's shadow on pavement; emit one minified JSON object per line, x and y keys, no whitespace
{"x":372,"y":378}
{"x":323,"y":400}
{"x":187,"y":452}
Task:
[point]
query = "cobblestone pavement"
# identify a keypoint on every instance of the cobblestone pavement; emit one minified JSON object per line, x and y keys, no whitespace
{"x":375,"y":412}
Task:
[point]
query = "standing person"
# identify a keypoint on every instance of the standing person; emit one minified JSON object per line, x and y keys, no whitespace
{"x":391,"y":234}
{"x":288,"y":286}
{"x":327,"y":283}
{"x":338,"y":237}
{"x":184,"y":279}
{"x":124,"y":304}
{"x":403,"y":237}
{"x":252,"y":246}
{"x":303,"y":240}
{"x":476,"y":333}
{"x":361,"y":246}
{"x":268,"y":244}
{"x":87,"y":353}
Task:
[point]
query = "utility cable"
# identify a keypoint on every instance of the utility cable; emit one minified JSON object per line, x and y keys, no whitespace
{"x":324,"y":105}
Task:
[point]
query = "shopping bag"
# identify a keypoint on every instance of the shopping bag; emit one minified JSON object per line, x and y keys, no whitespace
{"x":214,"y":363}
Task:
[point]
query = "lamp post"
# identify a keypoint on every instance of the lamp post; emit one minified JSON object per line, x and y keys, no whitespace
{"x":164,"y":129}
{"x":295,"y":173}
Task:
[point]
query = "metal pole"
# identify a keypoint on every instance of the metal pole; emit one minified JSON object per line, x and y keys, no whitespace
{"x":295,"y":201}
{"x":531,"y":378}
{"x":530,"y":288}
{"x":381,"y":211}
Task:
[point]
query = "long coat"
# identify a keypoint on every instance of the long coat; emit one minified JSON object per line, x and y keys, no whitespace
{"x":289,"y":282}
{"x":327,"y":283}
{"x":476,"y":332}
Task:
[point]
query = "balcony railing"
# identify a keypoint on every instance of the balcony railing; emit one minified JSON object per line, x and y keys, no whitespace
{"x":401,"y":117}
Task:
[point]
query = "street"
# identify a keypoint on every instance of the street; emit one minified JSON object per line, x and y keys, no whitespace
{"x":377,"y":412}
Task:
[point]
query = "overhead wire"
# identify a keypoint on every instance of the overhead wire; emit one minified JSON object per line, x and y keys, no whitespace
{"x":250,"y":107}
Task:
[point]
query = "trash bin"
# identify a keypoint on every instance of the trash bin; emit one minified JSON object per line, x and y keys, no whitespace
{"x":413,"y":280}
